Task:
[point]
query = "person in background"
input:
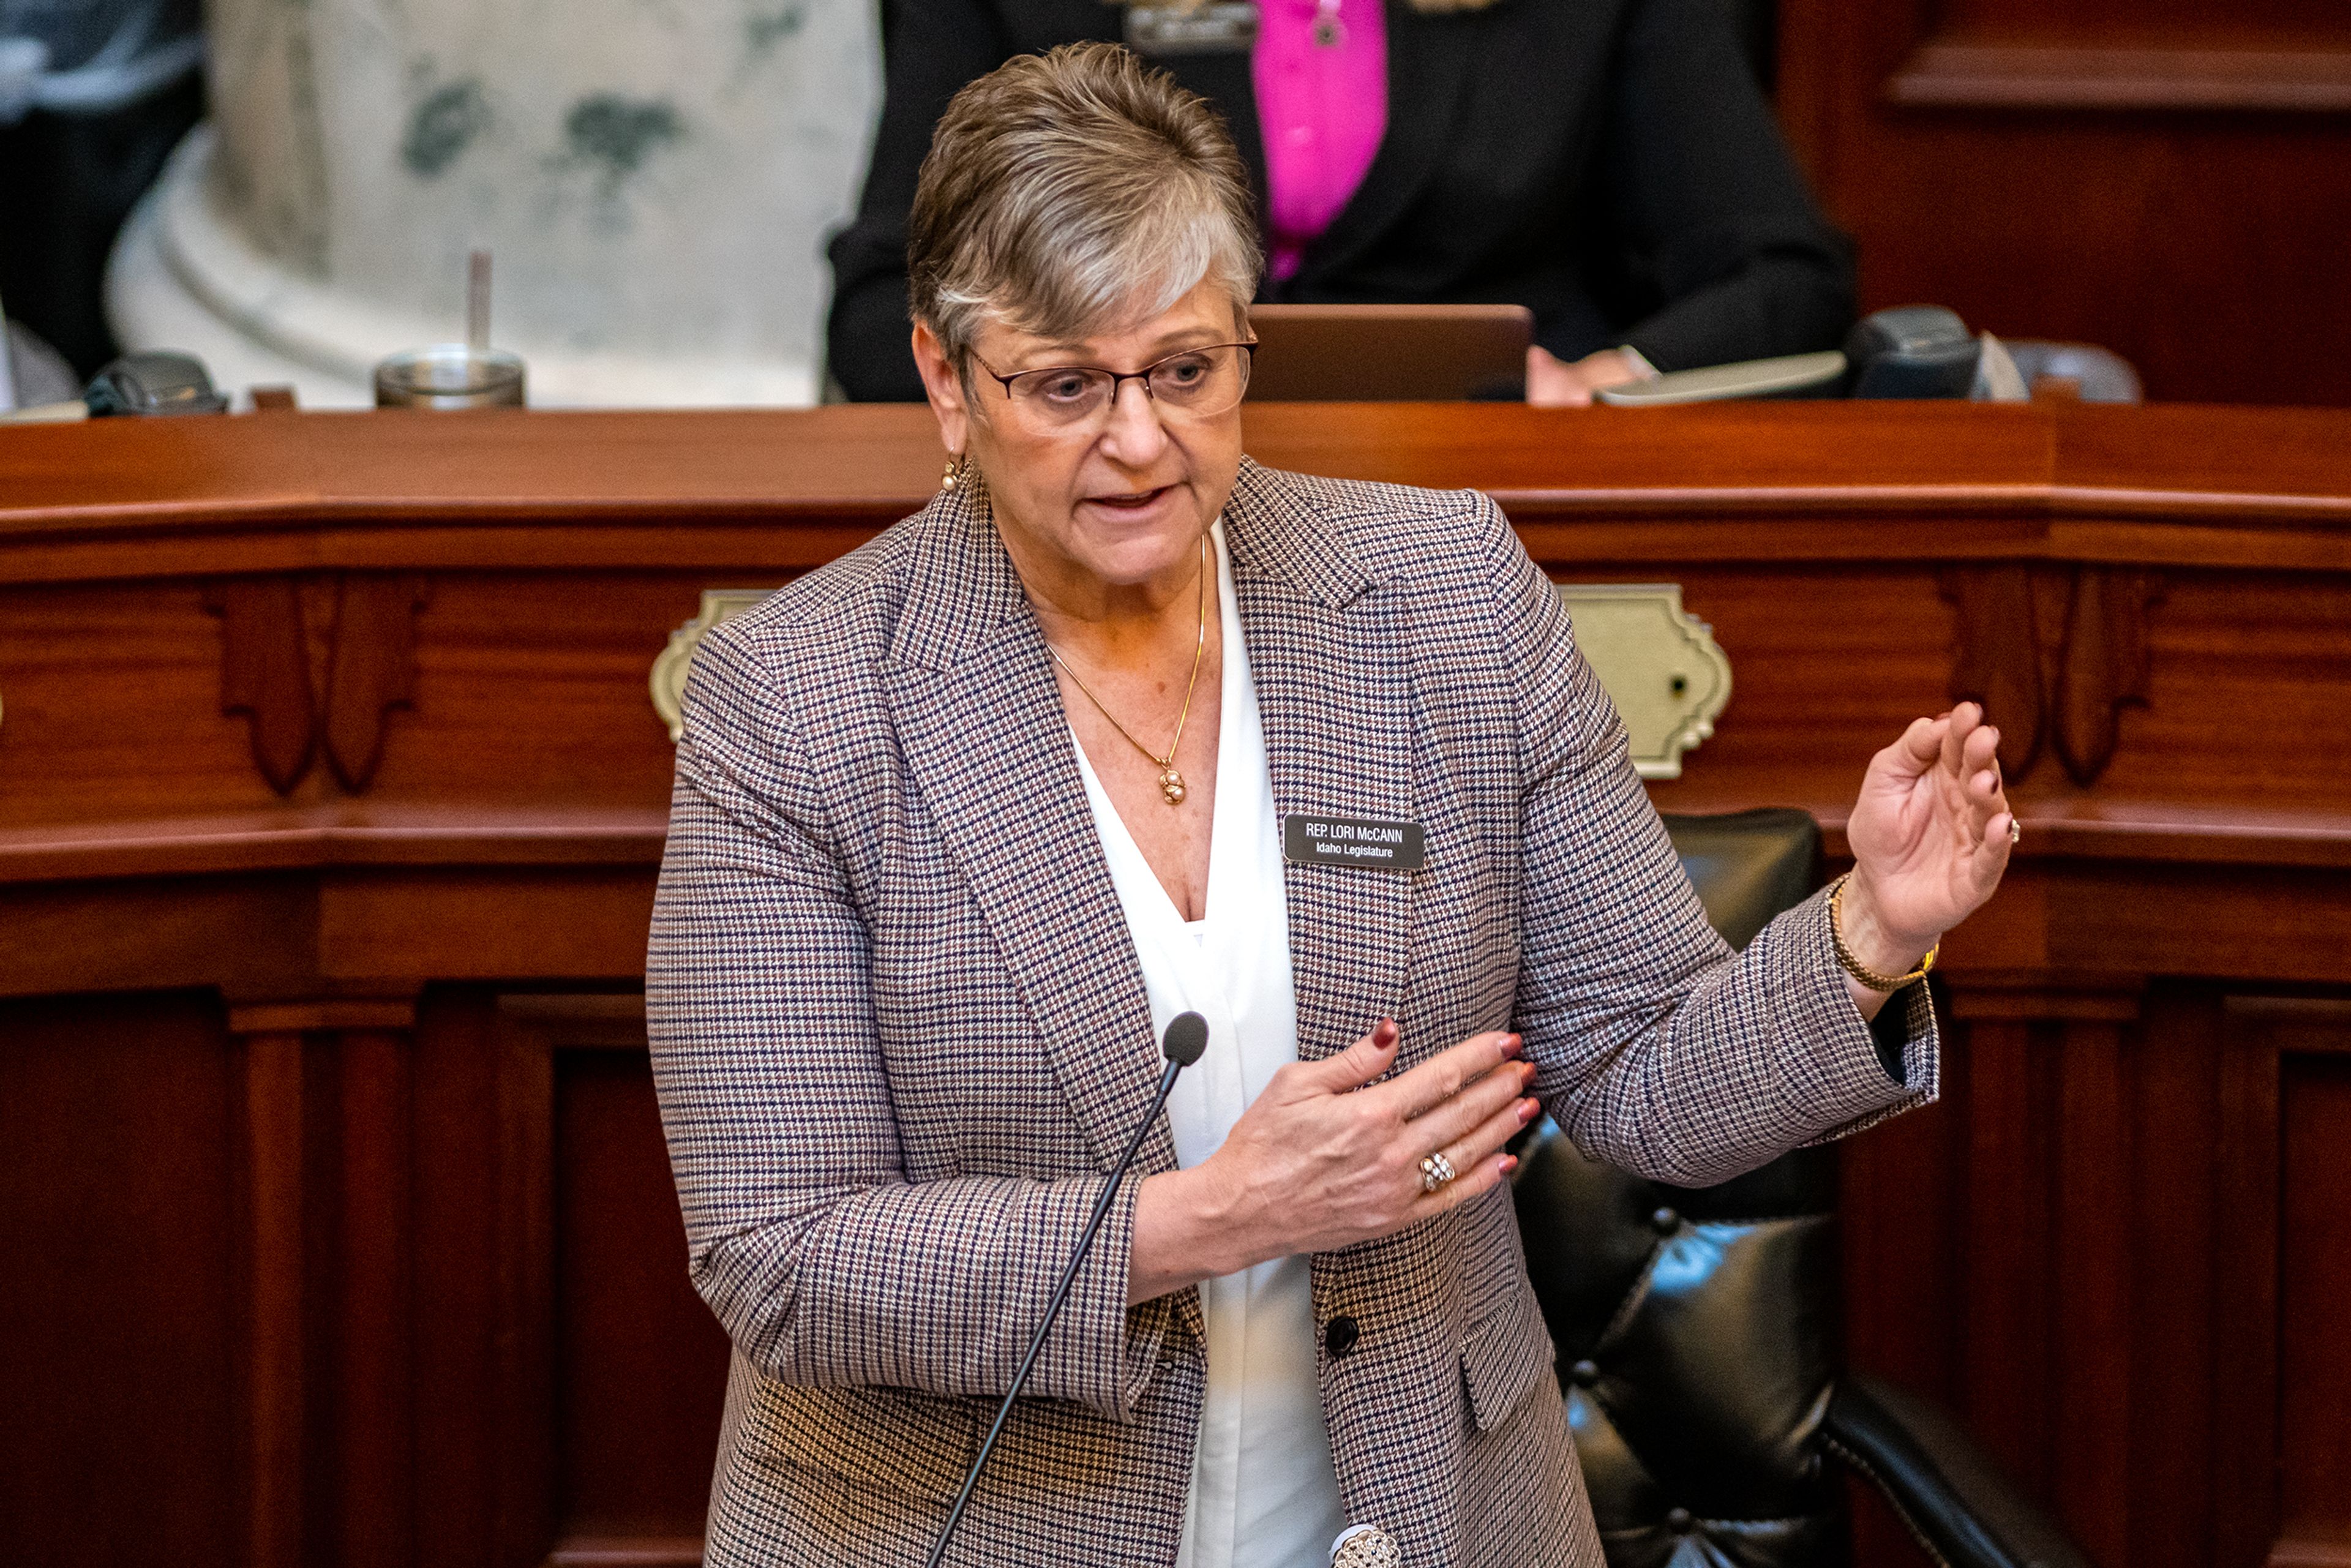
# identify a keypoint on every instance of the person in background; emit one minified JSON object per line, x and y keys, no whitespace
{"x":1611,"y":164}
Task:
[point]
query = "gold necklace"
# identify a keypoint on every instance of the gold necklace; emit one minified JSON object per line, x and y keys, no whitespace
{"x":1171,"y":782}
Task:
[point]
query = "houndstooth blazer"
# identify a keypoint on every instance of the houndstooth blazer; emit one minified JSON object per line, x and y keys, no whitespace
{"x":899,"y":1031}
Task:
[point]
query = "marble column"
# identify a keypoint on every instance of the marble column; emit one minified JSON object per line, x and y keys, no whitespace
{"x":656,"y":179}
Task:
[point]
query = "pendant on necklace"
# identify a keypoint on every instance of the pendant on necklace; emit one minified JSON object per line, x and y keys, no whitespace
{"x":1171,"y":784}
{"x":1329,"y":31}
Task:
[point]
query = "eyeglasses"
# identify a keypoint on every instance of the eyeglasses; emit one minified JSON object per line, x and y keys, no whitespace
{"x":1196,"y":384}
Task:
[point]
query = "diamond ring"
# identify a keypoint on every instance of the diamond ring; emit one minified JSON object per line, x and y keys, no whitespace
{"x":1435,"y":1172}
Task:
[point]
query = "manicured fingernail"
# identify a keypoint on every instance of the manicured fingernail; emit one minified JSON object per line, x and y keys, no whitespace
{"x":1509,"y":1164}
{"x":1527,"y":1109}
{"x":1512,"y":1045}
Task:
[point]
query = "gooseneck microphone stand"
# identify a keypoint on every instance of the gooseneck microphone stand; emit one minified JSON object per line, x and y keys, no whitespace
{"x":1186,"y":1037}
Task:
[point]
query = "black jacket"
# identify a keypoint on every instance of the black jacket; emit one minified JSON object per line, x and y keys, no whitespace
{"x":1609,"y":164}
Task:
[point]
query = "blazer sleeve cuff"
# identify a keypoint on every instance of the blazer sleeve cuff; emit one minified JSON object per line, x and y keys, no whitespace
{"x":1101,"y":1353}
{"x":1839,"y":1068}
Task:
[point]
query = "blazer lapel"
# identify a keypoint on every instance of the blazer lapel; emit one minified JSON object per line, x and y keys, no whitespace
{"x":1334,"y":691}
{"x":983,"y":737}
{"x":1428,"y":65}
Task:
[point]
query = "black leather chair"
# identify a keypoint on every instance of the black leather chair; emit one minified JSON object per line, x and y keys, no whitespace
{"x":1697,"y":1329}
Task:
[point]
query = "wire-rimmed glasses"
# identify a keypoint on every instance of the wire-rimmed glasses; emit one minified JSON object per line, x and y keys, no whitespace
{"x":1197,"y":383}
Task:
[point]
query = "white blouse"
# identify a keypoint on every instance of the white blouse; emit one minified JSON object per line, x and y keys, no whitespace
{"x":1264,"y":1493}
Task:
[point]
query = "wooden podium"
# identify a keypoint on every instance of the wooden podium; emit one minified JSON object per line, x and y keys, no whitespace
{"x":339,"y":1225}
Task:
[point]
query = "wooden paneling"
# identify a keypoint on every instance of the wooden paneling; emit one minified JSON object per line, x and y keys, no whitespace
{"x":120,"y":1295}
{"x":2175,"y":1218}
{"x":374,"y":1297}
{"x":637,"y":1363}
{"x":2171,"y":180}
{"x":326,"y":1114}
{"x":468,"y":1401}
{"x":156,"y":656}
{"x":2153,"y":1268}
{"x":2313,"y":1442}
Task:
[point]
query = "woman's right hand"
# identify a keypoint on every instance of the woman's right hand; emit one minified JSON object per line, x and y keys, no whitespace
{"x":1325,"y":1157}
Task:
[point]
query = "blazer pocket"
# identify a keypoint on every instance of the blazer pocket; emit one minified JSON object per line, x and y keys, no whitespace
{"x":914,"y":1445}
{"x":1503,"y":1358}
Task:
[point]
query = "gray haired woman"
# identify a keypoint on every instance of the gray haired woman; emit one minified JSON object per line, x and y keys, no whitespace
{"x":1123,"y":725}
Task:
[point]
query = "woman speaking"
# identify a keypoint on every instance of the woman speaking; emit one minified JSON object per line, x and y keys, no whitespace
{"x":962,"y":819}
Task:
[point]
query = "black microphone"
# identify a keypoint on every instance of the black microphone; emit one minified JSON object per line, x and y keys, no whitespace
{"x":1186,"y":1037}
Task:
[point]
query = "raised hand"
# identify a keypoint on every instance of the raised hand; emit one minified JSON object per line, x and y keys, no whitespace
{"x":1930,"y":836}
{"x":1325,"y":1157}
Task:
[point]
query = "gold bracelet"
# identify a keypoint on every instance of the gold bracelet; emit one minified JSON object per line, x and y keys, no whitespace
{"x":1854,"y":967}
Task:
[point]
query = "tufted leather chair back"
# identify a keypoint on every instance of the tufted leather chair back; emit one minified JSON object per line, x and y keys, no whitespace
{"x":1696,"y":1327}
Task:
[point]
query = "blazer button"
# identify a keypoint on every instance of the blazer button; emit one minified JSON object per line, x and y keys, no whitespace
{"x":1666,"y":1221}
{"x":1339,"y":1336}
{"x":1585,"y":1373}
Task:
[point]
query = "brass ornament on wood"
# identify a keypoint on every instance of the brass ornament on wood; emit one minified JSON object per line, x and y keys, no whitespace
{"x":1659,"y":664}
{"x":672,"y":664}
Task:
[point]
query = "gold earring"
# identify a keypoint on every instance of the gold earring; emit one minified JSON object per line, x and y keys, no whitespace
{"x":954,"y":475}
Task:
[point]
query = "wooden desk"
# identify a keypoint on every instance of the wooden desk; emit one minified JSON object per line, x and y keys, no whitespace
{"x":330,"y":798}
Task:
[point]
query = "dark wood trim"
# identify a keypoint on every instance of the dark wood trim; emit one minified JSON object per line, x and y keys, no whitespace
{"x":580,"y":1022}
{"x":2291,"y":1552}
{"x":266,"y":673}
{"x":526,"y":1202}
{"x":312,"y":492}
{"x":275,"y":1328}
{"x":532,"y":1028}
{"x":626,"y":1551}
{"x":299,"y":838}
{"x":375,"y":1303}
{"x":2025,"y":997}
{"x":2245,"y":1291}
{"x":370,"y":670}
{"x":2101,"y":665}
{"x":2092,"y":1287}
{"x":365,"y":1017}
{"x":1948,"y":74}
{"x":2007,"y":1222}
{"x":358,"y":836}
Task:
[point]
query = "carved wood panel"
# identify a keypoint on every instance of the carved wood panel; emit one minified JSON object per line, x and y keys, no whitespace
{"x":363,"y":638}
{"x":2054,"y":654}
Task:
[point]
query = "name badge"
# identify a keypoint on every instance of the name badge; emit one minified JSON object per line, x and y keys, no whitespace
{"x":1218,"y":27}
{"x":1357,"y":842}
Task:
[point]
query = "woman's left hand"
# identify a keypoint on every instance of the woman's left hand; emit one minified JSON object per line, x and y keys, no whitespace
{"x":1929,"y":836}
